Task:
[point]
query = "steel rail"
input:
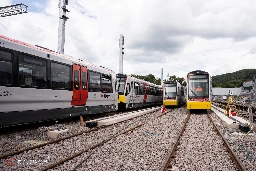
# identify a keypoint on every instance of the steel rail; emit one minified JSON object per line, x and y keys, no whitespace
{"x":174,"y":147}
{"x":233,"y":156}
{"x":95,"y":146}
{"x":44,"y":144}
{"x":5,"y":156}
{"x":170,"y":155}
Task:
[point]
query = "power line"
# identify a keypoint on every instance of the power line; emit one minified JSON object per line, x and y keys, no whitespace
{"x":13,"y":10}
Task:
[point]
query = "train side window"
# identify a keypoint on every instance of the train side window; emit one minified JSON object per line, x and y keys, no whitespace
{"x":5,"y":68}
{"x":84,"y":82}
{"x":137,"y":88}
{"x":127,"y":90}
{"x":94,"y":82}
{"x":32,"y":71}
{"x":129,"y":87}
{"x":76,"y":80}
{"x":60,"y":76}
{"x":116,"y":89}
{"x":106,"y":84}
{"x":141,"y":89}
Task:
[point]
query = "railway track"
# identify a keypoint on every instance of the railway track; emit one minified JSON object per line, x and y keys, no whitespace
{"x":88,"y":140}
{"x":9,"y":144}
{"x":140,"y":149}
{"x":201,"y":146}
{"x":48,"y":123}
{"x":94,"y":147}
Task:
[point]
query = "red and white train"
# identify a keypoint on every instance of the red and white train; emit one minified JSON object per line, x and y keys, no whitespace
{"x":39,"y":84}
{"x":135,"y":93}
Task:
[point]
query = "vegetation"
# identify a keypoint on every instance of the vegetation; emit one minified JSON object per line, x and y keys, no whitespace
{"x":151,"y":78}
{"x":229,"y":80}
{"x":235,"y":79}
{"x":178,"y":79}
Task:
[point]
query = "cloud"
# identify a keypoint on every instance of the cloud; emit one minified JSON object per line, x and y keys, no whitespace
{"x":253,"y":50}
{"x":178,"y":35}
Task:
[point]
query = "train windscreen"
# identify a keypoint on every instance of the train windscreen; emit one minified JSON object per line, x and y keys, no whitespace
{"x":198,"y":86}
{"x":170,"y":90}
{"x":120,"y":85}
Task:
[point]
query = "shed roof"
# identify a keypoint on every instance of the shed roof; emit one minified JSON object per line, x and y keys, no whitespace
{"x":225,"y":91}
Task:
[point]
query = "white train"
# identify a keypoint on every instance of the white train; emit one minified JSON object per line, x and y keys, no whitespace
{"x":134,"y":93}
{"x":40,"y":84}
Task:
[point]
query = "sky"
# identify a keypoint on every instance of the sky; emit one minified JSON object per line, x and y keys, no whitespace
{"x":179,"y":36}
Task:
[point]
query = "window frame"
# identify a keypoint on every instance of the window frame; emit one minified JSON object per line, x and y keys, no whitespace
{"x":89,"y":82}
{"x":11,"y":61}
{"x":67,"y":85}
{"x":22,"y":60}
{"x":106,"y":84}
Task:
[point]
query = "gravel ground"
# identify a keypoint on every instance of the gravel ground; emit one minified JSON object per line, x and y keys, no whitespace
{"x":243,"y":145}
{"x":49,"y":154}
{"x":201,"y":148}
{"x":145,"y":148}
{"x":15,"y":141}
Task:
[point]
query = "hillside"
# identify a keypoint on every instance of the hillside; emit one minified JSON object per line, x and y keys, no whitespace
{"x":235,"y":79}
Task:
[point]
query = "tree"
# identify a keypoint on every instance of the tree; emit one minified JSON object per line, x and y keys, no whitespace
{"x":150,"y":78}
{"x":178,"y":79}
{"x":234,"y":79}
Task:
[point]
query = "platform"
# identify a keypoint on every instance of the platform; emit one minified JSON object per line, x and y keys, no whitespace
{"x":228,"y":122}
{"x":119,"y":118}
{"x":55,"y":133}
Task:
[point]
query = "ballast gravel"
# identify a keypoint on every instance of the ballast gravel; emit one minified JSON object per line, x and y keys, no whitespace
{"x":24,"y":139}
{"x":21,"y":140}
{"x":242,"y":144}
{"x":201,"y":148}
{"x":145,"y":148}
{"x":40,"y":158}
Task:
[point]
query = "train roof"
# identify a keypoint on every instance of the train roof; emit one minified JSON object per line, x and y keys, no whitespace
{"x":137,"y":79}
{"x":198,"y":72}
{"x":121,"y":75}
{"x":250,"y":83}
{"x":170,"y":82}
{"x":45,"y":53}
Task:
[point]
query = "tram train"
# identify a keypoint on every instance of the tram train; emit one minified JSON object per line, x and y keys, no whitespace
{"x":199,"y":90}
{"x":135,"y":93}
{"x":38,"y":84}
{"x":173,"y":94}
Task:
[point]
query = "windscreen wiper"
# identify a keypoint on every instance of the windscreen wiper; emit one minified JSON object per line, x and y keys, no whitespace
{"x":194,"y":93}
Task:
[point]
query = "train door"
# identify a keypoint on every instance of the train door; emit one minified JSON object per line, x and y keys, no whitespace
{"x":132,"y":92}
{"x":79,"y":85}
{"x":145,"y":90}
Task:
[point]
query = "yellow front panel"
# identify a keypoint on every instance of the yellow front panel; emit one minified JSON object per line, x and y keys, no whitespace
{"x":121,"y":99}
{"x":170,"y":103}
{"x":198,"y":105}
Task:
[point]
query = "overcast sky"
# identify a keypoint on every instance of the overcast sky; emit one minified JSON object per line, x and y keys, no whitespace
{"x":218,"y":36}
